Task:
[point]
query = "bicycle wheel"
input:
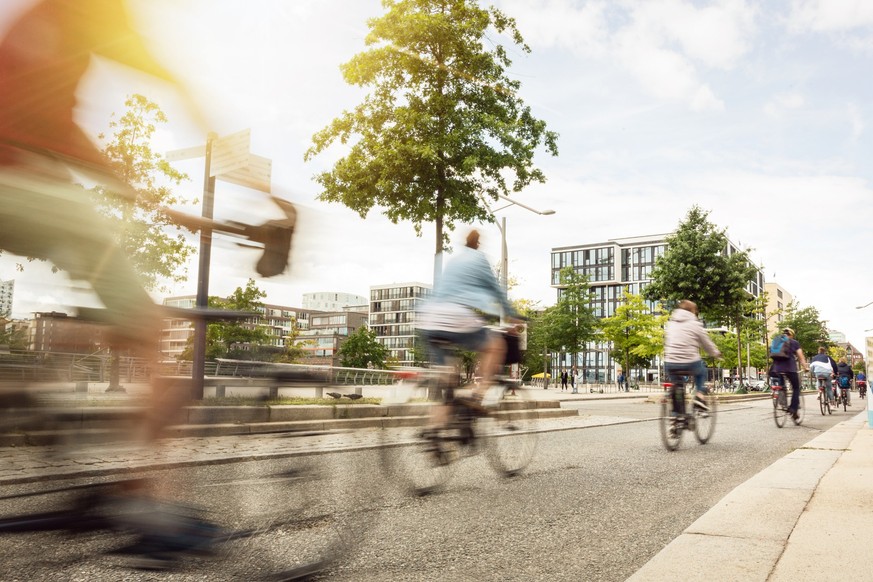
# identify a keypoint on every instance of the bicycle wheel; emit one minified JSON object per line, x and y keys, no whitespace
{"x":845,"y":400}
{"x":671,"y":426}
{"x":509,"y":432}
{"x":300,"y":516}
{"x":420,"y":461}
{"x":704,"y":418}
{"x":780,"y":407}
{"x":822,"y":404}
{"x":801,"y":411}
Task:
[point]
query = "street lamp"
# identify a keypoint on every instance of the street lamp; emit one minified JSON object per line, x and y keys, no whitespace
{"x":504,"y":258}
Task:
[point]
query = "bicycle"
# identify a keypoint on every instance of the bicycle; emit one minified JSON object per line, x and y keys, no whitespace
{"x":824,"y":402}
{"x":423,"y":460}
{"x":675,"y":418}
{"x":842,"y":397}
{"x":779,"y":393}
{"x":862,"y":388}
{"x":290,"y":518}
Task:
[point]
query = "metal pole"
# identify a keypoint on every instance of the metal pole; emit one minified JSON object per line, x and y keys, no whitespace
{"x":198,"y":368}
{"x":504,"y":258}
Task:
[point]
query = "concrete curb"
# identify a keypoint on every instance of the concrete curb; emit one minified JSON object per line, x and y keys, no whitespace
{"x":745,"y":534}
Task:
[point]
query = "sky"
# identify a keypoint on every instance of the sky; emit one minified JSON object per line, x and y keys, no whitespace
{"x":758,"y":112}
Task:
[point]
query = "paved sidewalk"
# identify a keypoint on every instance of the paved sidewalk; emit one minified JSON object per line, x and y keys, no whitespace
{"x":808,"y":516}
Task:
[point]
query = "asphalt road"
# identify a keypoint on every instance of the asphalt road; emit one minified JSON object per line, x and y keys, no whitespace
{"x":595,"y":505}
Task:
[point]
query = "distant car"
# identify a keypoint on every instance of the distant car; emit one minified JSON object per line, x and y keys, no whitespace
{"x":758,"y":385}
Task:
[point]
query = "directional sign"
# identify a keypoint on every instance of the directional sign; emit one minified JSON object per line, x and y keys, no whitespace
{"x":255,"y":175}
{"x":186,"y":153}
{"x":230,"y":152}
{"x":231,"y":161}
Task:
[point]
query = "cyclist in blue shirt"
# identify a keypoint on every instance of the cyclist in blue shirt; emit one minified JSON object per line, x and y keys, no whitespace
{"x":789,"y":367}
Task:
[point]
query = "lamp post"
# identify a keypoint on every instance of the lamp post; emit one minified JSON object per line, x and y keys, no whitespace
{"x":504,"y":262}
{"x":504,"y":257}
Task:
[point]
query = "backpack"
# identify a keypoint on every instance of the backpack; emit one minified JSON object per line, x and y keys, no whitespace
{"x":779,"y":348}
{"x":844,"y":381}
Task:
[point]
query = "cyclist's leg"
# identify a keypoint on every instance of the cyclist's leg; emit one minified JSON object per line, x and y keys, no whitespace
{"x":677,"y":379}
{"x":492,"y":354}
{"x":794,"y":380}
{"x":700,"y":373}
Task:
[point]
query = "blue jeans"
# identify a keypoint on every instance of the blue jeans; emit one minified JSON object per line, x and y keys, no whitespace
{"x":696,"y":369}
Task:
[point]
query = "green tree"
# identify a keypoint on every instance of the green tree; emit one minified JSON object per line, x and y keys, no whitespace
{"x":243,"y":340}
{"x":143,"y":231}
{"x":13,"y":338}
{"x":362,"y":348}
{"x":697,"y":266}
{"x":155,"y":252}
{"x":809,"y":329}
{"x":443,"y":127}
{"x":571,"y":323}
{"x":636,"y":334}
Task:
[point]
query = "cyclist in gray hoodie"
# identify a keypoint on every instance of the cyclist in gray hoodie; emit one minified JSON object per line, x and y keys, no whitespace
{"x":684,"y":336}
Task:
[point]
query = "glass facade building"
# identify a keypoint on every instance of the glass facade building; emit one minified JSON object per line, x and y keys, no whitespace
{"x":611,"y":267}
{"x":392,"y":317}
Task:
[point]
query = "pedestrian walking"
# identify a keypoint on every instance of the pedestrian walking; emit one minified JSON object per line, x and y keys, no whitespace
{"x":575,"y":380}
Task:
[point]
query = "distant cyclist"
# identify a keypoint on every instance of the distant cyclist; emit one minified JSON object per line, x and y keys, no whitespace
{"x":823,"y":367}
{"x":788,"y":367}
{"x":861,"y":383}
{"x":684,"y":337}
{"x":845,"y":374}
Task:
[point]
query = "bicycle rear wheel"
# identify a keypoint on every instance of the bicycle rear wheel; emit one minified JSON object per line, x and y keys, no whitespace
{"x":509,"y":432}
{"x":801,"y":411}
{"x":780,"y":407}
{"x":671,"y":426}
{"x":704,"y":419}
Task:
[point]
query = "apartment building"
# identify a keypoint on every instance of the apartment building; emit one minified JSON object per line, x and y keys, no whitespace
{"x":332,"y":301}
{"x":278,"y":321}
{"x":392,"y":317}
{"x":7,"y":290}
{"x":326,"y":333}
{"x":58,"y":332}
{"x":778,"y":299}
{"x":611,"y":267}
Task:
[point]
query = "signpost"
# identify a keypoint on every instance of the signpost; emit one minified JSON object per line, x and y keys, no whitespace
{"x":227,"y":159}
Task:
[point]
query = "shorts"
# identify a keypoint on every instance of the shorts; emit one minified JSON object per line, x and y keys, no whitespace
{"x":440,"y":342}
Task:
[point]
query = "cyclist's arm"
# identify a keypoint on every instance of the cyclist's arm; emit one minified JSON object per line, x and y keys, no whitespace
{"x":705,"y":341}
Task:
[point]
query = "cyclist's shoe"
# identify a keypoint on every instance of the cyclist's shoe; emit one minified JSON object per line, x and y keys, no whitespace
{"x":472,"y":404}
{"x":700,"y":403}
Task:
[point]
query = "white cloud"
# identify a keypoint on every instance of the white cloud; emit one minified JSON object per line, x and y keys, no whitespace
{"x":784,"y":102}
{"x":663,"y":44}
{"x":830,"y":15}
{"x":856,"y":120}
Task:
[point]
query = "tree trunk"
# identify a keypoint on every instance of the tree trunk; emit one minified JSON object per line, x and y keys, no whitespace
{"x":739,"y":352}
{"x":115,"y":372}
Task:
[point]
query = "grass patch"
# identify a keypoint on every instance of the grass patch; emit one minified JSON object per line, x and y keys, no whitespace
{"x":283,"y":401}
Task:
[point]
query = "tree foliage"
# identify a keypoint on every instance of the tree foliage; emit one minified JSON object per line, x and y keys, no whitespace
{"x":809,"y":329}
{"x":696,"y":266}
{"x":145,"y":236}
{"x":442,"y":128}
{"x":361,"y":348}
{"x":242,"y":340}
{"x":636,"y":334}
{"x":570,"y":324}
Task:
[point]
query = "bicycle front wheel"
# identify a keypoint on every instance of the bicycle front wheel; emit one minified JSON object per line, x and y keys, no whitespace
{"x":822,"y":402}
{"x":671,"y":429}
{"x":704,"y":418}
{"x":510,"y":431}
{"x":845,"y":402}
